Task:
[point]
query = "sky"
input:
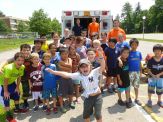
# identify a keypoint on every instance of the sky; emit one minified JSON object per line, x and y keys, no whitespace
{"x":24,"y":8}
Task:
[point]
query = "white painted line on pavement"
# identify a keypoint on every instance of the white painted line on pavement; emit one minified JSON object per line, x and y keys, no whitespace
{"x":144,"y":113}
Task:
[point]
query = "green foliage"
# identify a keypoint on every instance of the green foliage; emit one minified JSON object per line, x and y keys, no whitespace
{"x":132,"y":22}
{"x":3,"y":27}
{"x":23,"y":27}
{"x":56,"y":26}
{"x":40,"y":22}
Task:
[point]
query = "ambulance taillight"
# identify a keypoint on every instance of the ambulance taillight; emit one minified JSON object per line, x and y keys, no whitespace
{"x":68,"y":13}
{"x":104,"y":13}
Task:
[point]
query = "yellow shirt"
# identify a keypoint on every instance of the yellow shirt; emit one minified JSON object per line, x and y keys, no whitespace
{"x":45,"y":47}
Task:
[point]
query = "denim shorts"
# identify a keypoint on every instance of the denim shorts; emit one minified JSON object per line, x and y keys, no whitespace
{"x":155,"y":83}
{"x":47,"y":92}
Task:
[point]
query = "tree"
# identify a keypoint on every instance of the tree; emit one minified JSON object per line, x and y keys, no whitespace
{"x":40,"y":22}
{"x":127,"y":22}
{"x":56,"y":26}
{"x":23,"y":26}
{"x":3,"y":27}
{"x":1,"y":14}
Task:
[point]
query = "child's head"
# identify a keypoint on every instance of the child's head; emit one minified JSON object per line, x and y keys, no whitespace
{"x":112,"y":42}
{"x":91,"y":53}
{"x":158,"y":49}
{"x":66,"y":32}
{"x":46,"y":58}
{"x":25,"y":49}
{"x":35,"y":58}
{"x":84,"y":33}
{"x":96,"y":44}
{"x":43,"y":37}
{"x":67,"y":41}
{"x":104,"y":35}
{"x":72,"y":49}
{"x":38,"y":43}
{"x":85,"y":67}
{"x":64,"y":53}
{"x":134,"y":43}
{"x":52,"y":48}
{"x":120,"y":37}
{"x":125,"y":52}
{"x":55,"y":37}
{"x":19,"y":59}
{"x":79,"y":41}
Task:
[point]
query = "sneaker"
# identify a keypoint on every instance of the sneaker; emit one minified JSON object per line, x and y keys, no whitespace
{"x":160,"y":103}
{"x":72,"y":105}
{"x":44,"y":107}
{"x":55,"y":110}
{"x":149,"y":103}
{"x":130,"y":100}
{"x":63,"y":110}
{"x":121,"y":103}
{"x":138,"y":102}
{"x":48,"y":111}
{"x":128,"y":104}
{"x":35,"y":108}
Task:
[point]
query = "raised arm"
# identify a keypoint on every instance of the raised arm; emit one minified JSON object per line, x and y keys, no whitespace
{"x":101,"y":60}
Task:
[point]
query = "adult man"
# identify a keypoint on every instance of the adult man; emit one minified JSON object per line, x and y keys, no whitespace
{"x":116,"y":30}
{"x":93,"y":27}
{"x":77,"y":28}
{"x":66,"y":35}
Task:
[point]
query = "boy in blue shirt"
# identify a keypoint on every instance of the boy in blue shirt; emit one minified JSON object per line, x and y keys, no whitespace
{"x":49,"y":83}
{"x":134,"y":60}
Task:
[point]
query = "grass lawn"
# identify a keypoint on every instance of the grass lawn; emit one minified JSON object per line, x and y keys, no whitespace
{"x":148,"y":40}
{"x":7,"y":44}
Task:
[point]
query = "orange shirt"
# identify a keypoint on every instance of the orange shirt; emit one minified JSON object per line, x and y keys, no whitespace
{"x":114,"y":33}
{"x":93,"y":27}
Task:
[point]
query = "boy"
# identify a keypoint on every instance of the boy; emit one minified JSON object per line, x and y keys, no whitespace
{"x":134,"y":59}
{"x":65,"y":85}
{"x":104,"y":41}
{"x":87,"y":41}
{"x":67,"y":42}
{"x":90,"y":83}
{"x":75,"y":61}
{"x":10,"y":88}
{"x":37,"y":47}
{"x":80,"y":48}
{"x":155,"y":70}
{"x":49,"y":83}
{"x":123,"y":78}
{"x":35,"y":79}
{"x":111,"y":64}
{"x":44,"y":46}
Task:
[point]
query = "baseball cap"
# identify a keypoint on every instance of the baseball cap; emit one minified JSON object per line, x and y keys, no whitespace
{"x":84,"y":61}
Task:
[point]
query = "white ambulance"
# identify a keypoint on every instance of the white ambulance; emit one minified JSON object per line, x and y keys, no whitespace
{"x":104,"y":18}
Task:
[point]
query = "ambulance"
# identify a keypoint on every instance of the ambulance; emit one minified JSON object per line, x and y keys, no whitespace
{"x":104,"y":18}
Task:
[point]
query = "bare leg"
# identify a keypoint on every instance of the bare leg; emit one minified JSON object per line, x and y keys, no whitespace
{"x":127,"y":96}
{"x":54,"y":102}
{"x":61,"y":101}
{"x":99,"y":120}
{"x":47,"y":102}
{"x":136,"y":93}
{"x":159,"y":98}
{"x":119,"y":95}
{"x":87,"y":120}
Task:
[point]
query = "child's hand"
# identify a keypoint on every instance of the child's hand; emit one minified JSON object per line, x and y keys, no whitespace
{"x":6,"y":95}
{"x":49,"y":70}
{"x":120,"y":82}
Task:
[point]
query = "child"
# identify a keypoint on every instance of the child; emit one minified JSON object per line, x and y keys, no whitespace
{"x":134,"y":59}
{"x":67,"y":42}
{"x":10,"y":88}
{"x":104,"y":41}
{"x":155,"y":70}
{"x":121,"y":43}
{"x":65,"y":85}
{"x":49,"y":83}
{"x":75,"y":61}
{"x":44,"y":46}
{"x":87,"y":41}
{"x":91,"y":54}
{"x":123,"y":78}
{"x":55,"y":38}
{"x":111,"y":65}
{"x":90,"y":82}
{"x":37,"y":47}
{"x":35,"y":79}
{"x":80,"y":48}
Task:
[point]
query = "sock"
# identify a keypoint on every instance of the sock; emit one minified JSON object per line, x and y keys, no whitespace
{"x":17,"y":106}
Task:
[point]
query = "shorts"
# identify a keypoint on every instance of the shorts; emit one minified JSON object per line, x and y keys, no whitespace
{"x":76,"y":82}
{"x":93,"y":103}
{"x":112,"y":72}
{"x":135,"y":79}
{"x":25,"y":88}
{"x":123,"y":89}
{"x":13,"y":95}
{"x":65,"y":87}
{"x":47,"y":92}
{"x":155,"y":83}
{"x":36,"y":95}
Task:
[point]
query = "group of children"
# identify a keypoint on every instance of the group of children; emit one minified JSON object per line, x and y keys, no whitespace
{"x":57,"y":70}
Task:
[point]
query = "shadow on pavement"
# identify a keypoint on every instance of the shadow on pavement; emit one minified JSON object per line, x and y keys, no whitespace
{"x":116,"y":109}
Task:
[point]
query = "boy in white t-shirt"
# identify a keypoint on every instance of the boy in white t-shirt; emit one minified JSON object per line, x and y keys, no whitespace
{"x":90,"y":82}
